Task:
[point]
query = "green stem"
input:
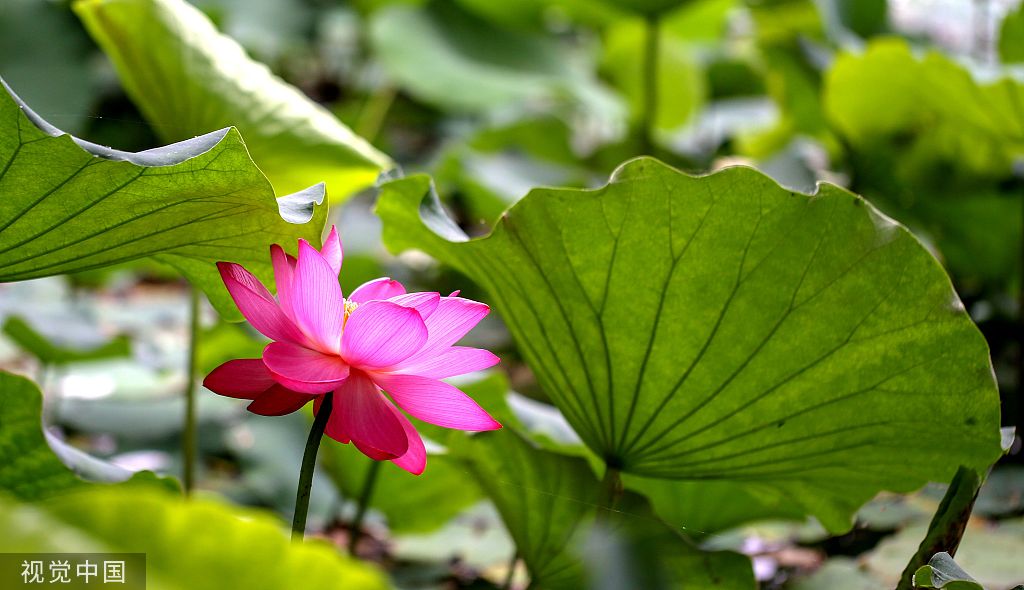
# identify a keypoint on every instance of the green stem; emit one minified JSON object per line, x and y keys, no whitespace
{"x":189,"y":437}
{"x":612,"y":490}
{"x":364,"y":503}
{"x":309,"y":466}
{"x":650,"y":84}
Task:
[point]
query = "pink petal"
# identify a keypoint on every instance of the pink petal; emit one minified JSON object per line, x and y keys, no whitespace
{"x":361,"y":412}
{"x":240,"y":378}
{"x":302,"y":369}
{"x":452,"y":319}
{"x":425,"y":303}
{"x":316,"y":300}
{"x":381,"y":333}
{"x":456,"y":360}
{"x":415,"y":459}
{"x":332,"y":251}
{"x":257,"y":304}
{"x":372,"y":453}
{"x":435,"y":402}
{"x":377,"y":289}
{"x":279,"y":401}
{"x":284,"y":270}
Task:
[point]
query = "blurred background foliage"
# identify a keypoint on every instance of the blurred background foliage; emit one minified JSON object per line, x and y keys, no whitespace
{"x":916,"y":104}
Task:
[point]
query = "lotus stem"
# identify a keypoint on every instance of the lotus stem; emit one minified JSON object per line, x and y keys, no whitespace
{"x":612,"y":490}
{"x":189,"y":438}
{"x":316,"y":433}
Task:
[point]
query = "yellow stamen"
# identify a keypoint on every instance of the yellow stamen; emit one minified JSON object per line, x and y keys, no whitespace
{"x":350,"y":306}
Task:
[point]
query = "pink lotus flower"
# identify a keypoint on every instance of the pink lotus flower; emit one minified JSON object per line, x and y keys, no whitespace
{"x":379,"y":338}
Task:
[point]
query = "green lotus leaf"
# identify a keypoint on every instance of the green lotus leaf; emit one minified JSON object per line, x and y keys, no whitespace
{"x":723,"y":328}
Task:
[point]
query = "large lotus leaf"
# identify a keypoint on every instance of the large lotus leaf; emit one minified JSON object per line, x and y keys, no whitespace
{"x":725,"y":328}
{"x":28,"y":468}
{"x":188,"y":79}
{"x":68,"y":205}
{"x":702,"y":508}
{"x":550,"y":504}
{"x":454,"y":60}
{"x":189,"y":545}
{"x":887,"y":92}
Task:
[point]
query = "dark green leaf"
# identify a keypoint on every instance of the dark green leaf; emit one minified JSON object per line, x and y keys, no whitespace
{"x":1011,"y":37}
{"x":549,"y":503}
{"x":35,"y":465}
{"x":701,"y":508}
{"x":724,"y":328}
{"x":28,"y":468}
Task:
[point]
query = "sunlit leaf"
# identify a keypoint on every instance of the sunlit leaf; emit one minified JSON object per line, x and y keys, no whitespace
{"x":194,"y":545}
{"x":888,"y":91}
{"x":69,"y":205}
{"x":724,"y":328}
{"x":935,"y":148}
{"x":188,"y":79}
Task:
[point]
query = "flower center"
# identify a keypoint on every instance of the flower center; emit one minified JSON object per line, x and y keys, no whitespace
{"x":350,"y":306}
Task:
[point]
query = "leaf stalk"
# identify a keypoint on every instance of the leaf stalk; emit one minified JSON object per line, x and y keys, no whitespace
{"x":316,"y":433}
